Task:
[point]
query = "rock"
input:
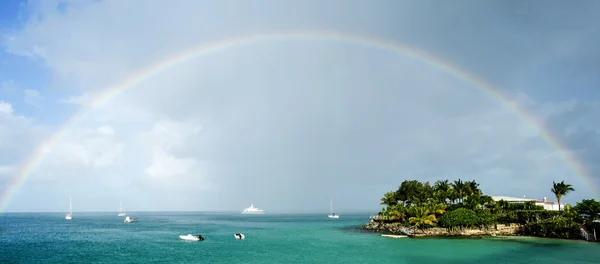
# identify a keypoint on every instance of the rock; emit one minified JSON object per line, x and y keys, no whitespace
{"x":400,"y":229}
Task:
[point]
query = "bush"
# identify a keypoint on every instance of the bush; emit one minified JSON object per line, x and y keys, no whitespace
{"x":453,"y":207}
{"x":560,"y":227}
{"x":485,"y":218}
{"x":524,"y":217}
{"x":507,"y":218}
{"x":459,"y":218}
{"x":527,"y":216}
{"x":588,"y":207}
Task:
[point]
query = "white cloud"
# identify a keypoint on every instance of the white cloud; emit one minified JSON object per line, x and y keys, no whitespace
{"x":165,"y":164}
{"x":106,"y":130}
{"x":266,"y":120}
{"x":87,"y":147}
{"x":5,"y":107}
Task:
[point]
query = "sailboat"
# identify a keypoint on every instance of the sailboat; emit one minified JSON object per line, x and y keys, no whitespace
{"x":331,"y":213}
{"x":68,"y":216}
{"x":121,"y":211}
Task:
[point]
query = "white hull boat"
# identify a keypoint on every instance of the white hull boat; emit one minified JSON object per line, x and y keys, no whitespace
{"x":253,"y":210}
{"x":129,"y":219}
{"x":69,"y":215}
{"x":190,"y":237}
{"x":239,"y":236}
{"x":331,"y":213}
{"x":121,"y":211}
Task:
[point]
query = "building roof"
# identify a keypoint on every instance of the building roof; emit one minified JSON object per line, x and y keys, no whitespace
{"x":511,"y":199}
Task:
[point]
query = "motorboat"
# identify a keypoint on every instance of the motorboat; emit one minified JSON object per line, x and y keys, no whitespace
{"x":252,"y":210}
{"x":191,"y":237}
{"x":239,"y":236}
{"x":129,"y":219}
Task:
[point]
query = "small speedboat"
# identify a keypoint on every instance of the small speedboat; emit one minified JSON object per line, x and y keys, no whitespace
{"x":129,"y":219}
{"x":191,"y":237}
{"x":239,"y":236}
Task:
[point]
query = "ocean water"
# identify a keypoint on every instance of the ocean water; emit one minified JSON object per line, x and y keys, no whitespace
{"x":105,"y":238}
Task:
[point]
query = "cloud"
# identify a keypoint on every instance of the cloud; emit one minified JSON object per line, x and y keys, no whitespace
{"x":6,"y":108}
{"x":288,"y":125}
{"x":32,"y":97}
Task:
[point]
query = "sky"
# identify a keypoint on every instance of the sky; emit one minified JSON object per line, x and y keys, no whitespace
{"x":288,"y":125}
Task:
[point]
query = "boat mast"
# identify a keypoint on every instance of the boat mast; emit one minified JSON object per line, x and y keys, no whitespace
{"x":70,"y":207}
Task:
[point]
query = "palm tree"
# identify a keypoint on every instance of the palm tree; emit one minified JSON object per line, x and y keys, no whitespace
{"x":422,"y":217}
{"x":441,"y":189}
{"x":472,"y":187}
{"x":437,"y":208}
{"x":389,"y":199}
{"x":561,"y":189}
{"x":452,"y":195}
{"x":461,"y":189}
{"x":396,"y":212}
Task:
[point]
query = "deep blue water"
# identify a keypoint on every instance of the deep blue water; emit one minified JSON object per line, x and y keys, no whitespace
{"x":105,"y":238}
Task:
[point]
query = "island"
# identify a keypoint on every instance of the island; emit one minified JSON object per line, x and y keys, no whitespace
{"x":460,"y":208}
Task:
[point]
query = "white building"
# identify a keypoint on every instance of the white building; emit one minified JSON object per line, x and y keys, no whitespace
{"x":544,"y":203}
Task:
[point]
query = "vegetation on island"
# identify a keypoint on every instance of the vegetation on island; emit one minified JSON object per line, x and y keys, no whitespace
{"x":461,"y":205}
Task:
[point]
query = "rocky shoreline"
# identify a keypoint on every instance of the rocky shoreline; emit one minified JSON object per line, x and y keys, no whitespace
{"x":400,"y":229}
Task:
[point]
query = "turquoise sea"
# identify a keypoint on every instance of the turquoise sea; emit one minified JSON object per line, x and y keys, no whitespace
{"x":270,"y":238}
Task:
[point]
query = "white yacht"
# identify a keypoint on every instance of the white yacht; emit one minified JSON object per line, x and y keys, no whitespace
{"x":253,"y":210}
{"x":129,"y":219}
{"x":331,"y":213}
{"x":69,"y":215}
{"x":121,"y":211}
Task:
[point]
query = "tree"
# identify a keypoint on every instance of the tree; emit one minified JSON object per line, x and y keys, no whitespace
{"x":442,"y":191}
{"x":414,"y":192}
{"x":472,"y":188}
{"x":389,"y":199}
{"x":459,"y":218}
{"x":561,"y":189}
{"x":589,"y":207}
{"x":395,"y":213}
{"x":421,"y":217}
{"x":461,"y":189}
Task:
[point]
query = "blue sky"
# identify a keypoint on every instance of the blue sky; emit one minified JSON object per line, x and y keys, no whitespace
{"x":289,"y":125}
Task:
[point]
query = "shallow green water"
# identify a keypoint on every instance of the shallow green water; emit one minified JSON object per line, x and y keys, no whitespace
{"x":104,"y":238}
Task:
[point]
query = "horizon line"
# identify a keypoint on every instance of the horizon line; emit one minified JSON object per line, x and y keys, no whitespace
{"x":180,"y":211}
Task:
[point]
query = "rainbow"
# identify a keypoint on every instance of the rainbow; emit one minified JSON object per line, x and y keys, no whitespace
{"x":37,"y":157}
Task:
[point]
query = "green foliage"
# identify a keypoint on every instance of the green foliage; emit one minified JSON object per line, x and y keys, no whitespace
{"x":589,"y":207}
{"x":461,"y":204}
{"x":527,"y":216}
{"x":560,"y":227}
{"x":421,"y":216}
{"x":389,"y":199}
{"x":414,"y":192}
{"x":561,"y":189}
{"x":459,"y":218}
{"x":507,"y":218}
{"x":453,"y":207}
{"x":485,"y":218}
{"x":395,"y":213}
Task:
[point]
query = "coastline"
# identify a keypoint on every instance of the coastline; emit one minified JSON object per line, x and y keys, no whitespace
{"x":400,"y":229}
